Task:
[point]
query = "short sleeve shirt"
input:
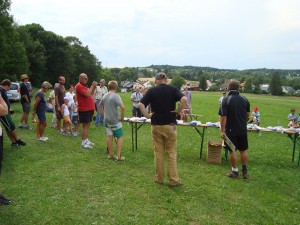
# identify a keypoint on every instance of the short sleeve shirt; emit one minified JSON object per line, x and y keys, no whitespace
{"x":111,"y":102}
{"x":42,"y":106}
{"x":85,"y":103}
{"x":235,"y":108}
{"x":162,"y":98}
{"x":60,"y":92}
{"x":24,"y":91}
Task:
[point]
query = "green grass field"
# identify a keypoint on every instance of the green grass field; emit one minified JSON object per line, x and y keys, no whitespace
{"x":56,"y":182}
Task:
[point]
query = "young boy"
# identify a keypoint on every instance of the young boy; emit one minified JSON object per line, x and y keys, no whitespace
{"x":66,"y":117}
{"x":109,"y":108}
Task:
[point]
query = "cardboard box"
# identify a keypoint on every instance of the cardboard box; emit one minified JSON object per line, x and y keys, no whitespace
{"x":214,"y":152}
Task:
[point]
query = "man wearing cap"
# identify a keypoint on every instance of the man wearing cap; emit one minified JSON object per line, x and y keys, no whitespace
{"x":163,"y":98}
{"x":6,"y":120}
{"x":99,"y":92}
{"x":234,"y":114}
{"x":135,"y":98}
{"x":25,"y":101}
{"x":86,"y":107}
{"x":59,"y":91}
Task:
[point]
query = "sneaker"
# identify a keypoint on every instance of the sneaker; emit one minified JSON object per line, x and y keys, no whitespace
{"x":15,"y":144}
{"x":122,"y":158}
{"x":75,"y":134}
{"x":4,"y":201}
{"x":245,"y":175}
{"x":27,"y":127}
{"x":179,"y":184}
{"x":20,"y":142}
{"x":42,"y":139}
{"x":111,"y":157}
{"x":233,"y":175}
{"x":20,"y":126}
{"x":90,"y":143}
{"x":45,"y":138}
{"x":86,"y":146}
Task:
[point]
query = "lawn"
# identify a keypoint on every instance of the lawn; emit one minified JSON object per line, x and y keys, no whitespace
{"x":57,"y":182}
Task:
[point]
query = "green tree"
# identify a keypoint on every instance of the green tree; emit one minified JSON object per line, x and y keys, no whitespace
{"x":13,"y":60}
{"x":177,"y":82}
{"x":275,"y":85}
{"x":127,"y":74}
{"x":248,"y":85}
{"x":202,"y":83}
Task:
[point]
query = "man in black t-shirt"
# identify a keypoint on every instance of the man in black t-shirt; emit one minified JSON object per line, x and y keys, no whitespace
{"x":25,"y":101}
{"x":163,"y":98}
{"x":234,"y":114}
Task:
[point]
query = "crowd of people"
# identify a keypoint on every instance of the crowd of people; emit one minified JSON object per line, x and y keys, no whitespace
{"x":79,"y":104}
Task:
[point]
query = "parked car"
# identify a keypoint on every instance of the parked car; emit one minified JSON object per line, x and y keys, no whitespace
{"x":29,"y":87}
{"x":13,"y":93}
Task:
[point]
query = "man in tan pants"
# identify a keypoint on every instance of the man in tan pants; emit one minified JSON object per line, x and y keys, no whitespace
{"x":163,"y":98}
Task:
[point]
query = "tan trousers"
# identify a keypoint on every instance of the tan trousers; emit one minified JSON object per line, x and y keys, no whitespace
{"x":164,"y":139}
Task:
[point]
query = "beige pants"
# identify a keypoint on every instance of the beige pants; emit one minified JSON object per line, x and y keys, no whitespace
{"x":164,"y":139}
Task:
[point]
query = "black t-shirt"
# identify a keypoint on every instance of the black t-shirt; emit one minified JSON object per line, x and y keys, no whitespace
{"x":24,"y":91}
{"x":235,"y":108}
{"x":163,"y":100}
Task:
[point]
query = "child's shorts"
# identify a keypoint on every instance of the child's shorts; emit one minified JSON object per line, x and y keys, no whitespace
{"x":115,"y":130}
{"x":67,"y":119}
{"x":75,"y":119}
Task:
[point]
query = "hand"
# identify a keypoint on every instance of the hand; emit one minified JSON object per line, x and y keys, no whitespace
{"x":94,"y":84}
{"x":223,"y":134}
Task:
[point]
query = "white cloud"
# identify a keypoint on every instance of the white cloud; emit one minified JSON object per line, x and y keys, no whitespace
{"x":219,"y":33}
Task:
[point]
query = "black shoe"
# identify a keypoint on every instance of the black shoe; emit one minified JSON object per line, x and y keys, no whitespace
{"x":233,"y":175}
{"x":246,"y":175}
{"x":15,"y":144}
{"x":20,"y":142}
{"x":4,"y":201}
{"x":176,"y":185}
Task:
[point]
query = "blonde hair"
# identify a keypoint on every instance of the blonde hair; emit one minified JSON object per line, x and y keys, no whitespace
{"x":112,"y":85}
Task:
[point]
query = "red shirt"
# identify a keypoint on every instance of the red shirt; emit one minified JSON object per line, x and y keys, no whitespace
{"x":85,"y":103}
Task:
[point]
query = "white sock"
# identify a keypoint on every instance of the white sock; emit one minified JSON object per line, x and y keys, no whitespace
{"x":235,"y":169}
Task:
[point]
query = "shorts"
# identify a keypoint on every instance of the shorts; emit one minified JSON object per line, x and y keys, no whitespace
{"x":67,"y":119}
{"x":41,"y":115}
{"x":86,"y":116}
{"x":75,"y":119}
{"x":8,"y":123}
{"x":58,"y":114}
{"x":240,"y":142}
{"x":26,"y":107}
{"x":114,"y":130}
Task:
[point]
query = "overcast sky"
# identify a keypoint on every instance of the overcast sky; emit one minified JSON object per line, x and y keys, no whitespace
{"x":228,"y":34}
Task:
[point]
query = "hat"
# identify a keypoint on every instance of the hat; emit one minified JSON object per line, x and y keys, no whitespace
{"x":24,"y":76}
{"x":255,"y":108}
{"x":46,"y":84}
{"x":66,"y":99}
{"x":160,"y":76}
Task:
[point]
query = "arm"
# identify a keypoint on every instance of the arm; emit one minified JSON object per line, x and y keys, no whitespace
{"x":3,"y":107}
{"x":223,"y":120}
{"x":37,"y":101}
{"x":101,"y":110}
{"x":122,"y":112}
{"x":144,"y":111}
{"x":91,"y":90}
{"x":181,"y":106}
